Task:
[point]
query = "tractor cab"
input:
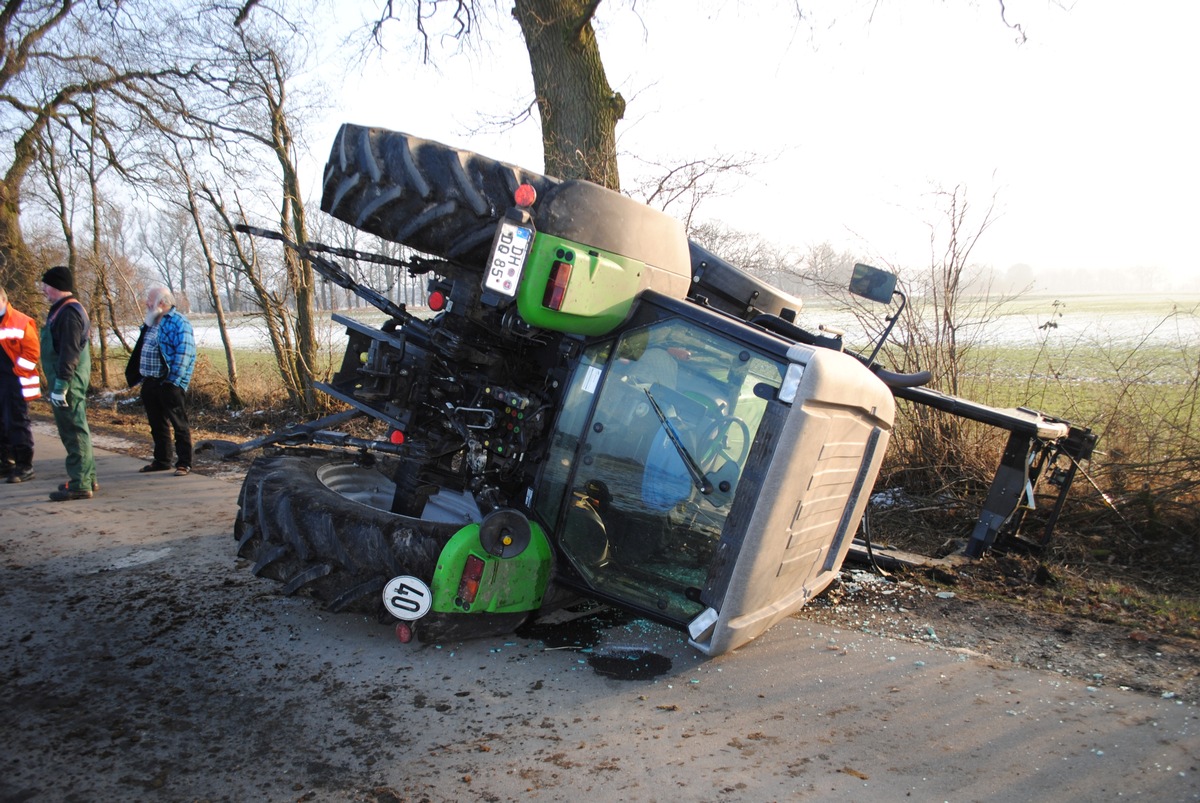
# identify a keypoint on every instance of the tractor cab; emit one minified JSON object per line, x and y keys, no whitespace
{"x":666,"y":434}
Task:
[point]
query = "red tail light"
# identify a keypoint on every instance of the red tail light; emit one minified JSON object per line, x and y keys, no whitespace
{"x":556,"y":288}
{"x":525,"y":195}
{"x":468,"y":584}
{"x":397,"y":437}
{"x":437,"y":301}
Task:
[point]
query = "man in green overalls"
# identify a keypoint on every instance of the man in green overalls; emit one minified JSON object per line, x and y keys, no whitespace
{"x":67,"y":363}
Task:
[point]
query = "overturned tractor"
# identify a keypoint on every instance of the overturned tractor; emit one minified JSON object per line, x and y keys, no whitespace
{"x":597,"y":408}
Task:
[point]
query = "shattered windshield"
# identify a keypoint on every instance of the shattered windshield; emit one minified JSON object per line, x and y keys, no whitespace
{"x":646,"y":459}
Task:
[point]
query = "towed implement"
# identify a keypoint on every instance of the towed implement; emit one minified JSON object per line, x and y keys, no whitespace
{"x":597,"y":408}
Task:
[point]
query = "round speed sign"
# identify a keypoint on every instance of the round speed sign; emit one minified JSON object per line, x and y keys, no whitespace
{"x":407,"y":598}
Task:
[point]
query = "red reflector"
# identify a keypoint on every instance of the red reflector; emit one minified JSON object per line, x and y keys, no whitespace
{"x":437,"y":301}
{"x":397,"y":437}
{"x":556,"y":288}
{"x":468,"y":584}
{"x":525,"y":195}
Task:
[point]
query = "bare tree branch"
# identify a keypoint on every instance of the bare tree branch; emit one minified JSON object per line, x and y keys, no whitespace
{"x":1016,"y":26}
{"x":690,"y":183}
{"x":463,"y":16}
{"x":244,"y":13}
{"x":585,"y":18}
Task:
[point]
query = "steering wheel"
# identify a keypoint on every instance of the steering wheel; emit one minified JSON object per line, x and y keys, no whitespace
{"x":716,"y":438}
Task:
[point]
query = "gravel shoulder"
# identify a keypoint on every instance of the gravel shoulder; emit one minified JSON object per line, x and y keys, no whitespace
{"x":912,"y":608}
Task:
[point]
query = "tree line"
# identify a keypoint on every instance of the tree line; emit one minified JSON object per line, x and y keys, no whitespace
{"x":139,"y":134}
{"x":144,"y":132}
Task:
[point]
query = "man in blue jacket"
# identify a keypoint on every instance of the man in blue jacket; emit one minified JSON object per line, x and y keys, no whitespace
{"x":167,"y":359}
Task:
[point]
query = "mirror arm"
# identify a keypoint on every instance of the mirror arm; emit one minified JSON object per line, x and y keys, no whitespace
{"x":891,"y":323}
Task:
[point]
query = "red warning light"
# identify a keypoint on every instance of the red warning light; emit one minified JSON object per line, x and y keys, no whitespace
{"x":397,"y":437}
{"x":437,"y":301}
{"x":525,"y":195}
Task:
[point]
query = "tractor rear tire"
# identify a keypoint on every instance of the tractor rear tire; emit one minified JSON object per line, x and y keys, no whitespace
{"x":433,"y":198}
{"x":305,"y":521}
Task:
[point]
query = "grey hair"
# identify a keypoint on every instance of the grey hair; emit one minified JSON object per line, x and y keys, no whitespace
{"x":161,"y":294}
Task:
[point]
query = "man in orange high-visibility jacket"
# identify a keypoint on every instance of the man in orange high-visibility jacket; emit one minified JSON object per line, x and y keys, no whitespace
{"x":19,"y":382}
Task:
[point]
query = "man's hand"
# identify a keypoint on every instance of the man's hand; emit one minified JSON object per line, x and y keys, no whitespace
{"x":58,"y":396}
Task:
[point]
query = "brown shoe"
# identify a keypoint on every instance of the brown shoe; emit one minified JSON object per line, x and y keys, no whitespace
{"x":69,"y":496}
{"x":182,"y":471}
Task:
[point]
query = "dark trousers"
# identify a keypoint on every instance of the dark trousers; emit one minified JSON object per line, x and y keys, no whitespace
{"x":166,"y":409}
{"x":16,"y":433}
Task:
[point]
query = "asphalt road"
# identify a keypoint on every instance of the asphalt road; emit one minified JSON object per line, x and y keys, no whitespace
{"x":140,"y":660}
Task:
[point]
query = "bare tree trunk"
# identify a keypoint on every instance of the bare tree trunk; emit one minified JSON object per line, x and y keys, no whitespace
{"x":110,"y":304}
{"x":294,"y":225}
{"x":99,"y":318}
{"x":182,"y":298}
{"x":100,"y":280}
{"x":274,"y":309}
{"x":579,"y":109}
{"x":193,"y":206}
{"x":17,"y":269}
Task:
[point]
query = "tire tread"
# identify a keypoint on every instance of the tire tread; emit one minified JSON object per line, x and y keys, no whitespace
{"x":420,"y":193}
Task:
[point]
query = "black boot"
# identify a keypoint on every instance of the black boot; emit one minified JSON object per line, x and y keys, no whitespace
{"x":20,"y":474}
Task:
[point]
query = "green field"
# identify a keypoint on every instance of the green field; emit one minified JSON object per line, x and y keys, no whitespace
{"x":1126,"y":365}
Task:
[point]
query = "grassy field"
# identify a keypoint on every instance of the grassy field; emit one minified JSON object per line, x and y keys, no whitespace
{"x":1108,"y":361}
{"x":1101,"y":351}
{"x":1089,"y":358}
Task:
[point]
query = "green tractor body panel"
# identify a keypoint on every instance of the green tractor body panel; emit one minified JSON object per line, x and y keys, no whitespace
{"x":609,"y":222}
{"x":506,"y":585}
{"x":613,"y":249}
{"x":597,"y":288}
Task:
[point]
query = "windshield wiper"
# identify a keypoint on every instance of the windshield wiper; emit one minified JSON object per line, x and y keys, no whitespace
{"x":698,"y":479}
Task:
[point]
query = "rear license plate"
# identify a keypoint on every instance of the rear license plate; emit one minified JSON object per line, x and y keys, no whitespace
{"x":509,"y":250}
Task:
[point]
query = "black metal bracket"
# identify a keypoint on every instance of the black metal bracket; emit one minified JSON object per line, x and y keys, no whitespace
{"x":1036,"y":441}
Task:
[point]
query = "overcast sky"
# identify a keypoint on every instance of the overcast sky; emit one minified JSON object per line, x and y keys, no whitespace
{"x":1086,"y":135}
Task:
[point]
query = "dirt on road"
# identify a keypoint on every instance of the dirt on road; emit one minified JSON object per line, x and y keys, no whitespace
{"x":141,"y":660}
{"x":981,"y":606}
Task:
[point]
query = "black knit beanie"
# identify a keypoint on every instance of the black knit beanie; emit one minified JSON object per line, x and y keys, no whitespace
{"x":59,"y":278}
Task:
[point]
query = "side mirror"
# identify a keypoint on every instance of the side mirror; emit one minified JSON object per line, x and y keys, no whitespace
{"x":873,"y":283}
